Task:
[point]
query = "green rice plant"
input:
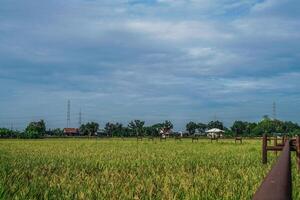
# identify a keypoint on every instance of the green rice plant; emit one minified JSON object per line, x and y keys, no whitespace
{"x":130,"y":169}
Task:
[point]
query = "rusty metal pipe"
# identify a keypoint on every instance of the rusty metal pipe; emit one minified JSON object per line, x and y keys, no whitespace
{"x":277,"y":184}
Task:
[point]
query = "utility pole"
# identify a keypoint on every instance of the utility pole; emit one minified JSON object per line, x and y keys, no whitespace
{"x":68,"y":114}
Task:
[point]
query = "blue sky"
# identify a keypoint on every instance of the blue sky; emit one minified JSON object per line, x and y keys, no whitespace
{"x":154,"y":60}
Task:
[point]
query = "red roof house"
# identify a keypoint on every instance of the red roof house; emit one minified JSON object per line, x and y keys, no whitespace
{"x":71,"y":131}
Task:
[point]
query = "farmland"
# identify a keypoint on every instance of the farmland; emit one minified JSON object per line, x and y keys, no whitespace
{"x":127,"y":169}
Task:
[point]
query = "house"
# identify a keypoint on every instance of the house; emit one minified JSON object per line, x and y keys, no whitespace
{"x":71,"y":131}
{"x":215,"y":133}
{"x":165,"y":132}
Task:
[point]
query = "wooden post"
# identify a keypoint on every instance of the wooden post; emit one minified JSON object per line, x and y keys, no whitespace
{"x":285,"y":139}
{"x":298,"y":152}
{"x":275,"y":144}
{"x":264,"y":149}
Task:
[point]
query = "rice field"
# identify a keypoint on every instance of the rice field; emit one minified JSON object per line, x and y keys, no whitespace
{"x":127,"y":169}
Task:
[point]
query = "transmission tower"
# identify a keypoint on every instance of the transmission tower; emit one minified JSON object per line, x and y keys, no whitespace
{"x":80,"y":118}
{"x":215,"y":117}
{"x":68,"y":114}
{"x":274,"y":110}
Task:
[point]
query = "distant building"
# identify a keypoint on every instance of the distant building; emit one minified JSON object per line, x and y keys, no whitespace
{"x":165,"y":132}
{"x":71,"y":131}
{"x":101,"y":132}
{"x":199,"y":133}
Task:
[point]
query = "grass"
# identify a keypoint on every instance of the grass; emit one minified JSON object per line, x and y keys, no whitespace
{"x":117,"y":169}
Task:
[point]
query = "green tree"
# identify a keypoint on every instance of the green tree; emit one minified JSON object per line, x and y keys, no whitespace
{"x":116,"y":129}
{"x":239,"y":127}
{"x":215,"y":124}
{"x":250,"y":128}
{"x":89,"y":128}
{"x":5,"y":133}
{"x":156,"y":128}
{"x":191,"y":127}
{"x":137,"y":126}
{"x":151,"y":131}
{"x":266,"y":126}
{"x":55,"y":132}
{"x":35,"y":129}
{"x":168,"y":125}
{"x":201,"y":127}
{"x":290,"y":127}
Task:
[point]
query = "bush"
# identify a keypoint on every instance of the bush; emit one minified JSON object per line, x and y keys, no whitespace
{"x":4,"y":132}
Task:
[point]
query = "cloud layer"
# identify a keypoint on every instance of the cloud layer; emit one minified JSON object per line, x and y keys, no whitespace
{"x":151,"y":59}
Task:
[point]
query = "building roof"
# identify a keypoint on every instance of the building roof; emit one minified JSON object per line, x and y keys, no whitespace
{"x":215,"y":130}
{"x":71,"y":130}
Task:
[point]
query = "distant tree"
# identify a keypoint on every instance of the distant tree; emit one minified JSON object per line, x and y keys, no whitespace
{"x":137,"y":126}
{"x":55,"y":132}
{"x":35,"y":129}
{"x":191,"y":127}
{"x":250,"y":128}
{"x":116,"y":129}
{"x":168,"y":125}
{"x":151,"y":131}
{"x":89,"y":128}
{"x":279,"y":126}
{"x":269,"y":126}
{"x":239,"y":127}
{"x":201,"y":127}
{"x":290,"y":127}
{"x":109,"y":128}
{"x":215,"y":124}
{"x":5,"y":133}
{"x":156,"y":128}
{"x":119,"y":130}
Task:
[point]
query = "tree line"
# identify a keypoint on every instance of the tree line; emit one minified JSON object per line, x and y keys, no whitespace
{"x":248,"y":129}
{"x":138,"y":128}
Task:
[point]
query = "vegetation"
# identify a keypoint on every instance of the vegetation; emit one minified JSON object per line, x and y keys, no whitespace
{"x":215,"y":124}
{"x":191,"y":127}
{"x":35,"y":130}
{"x":116,"y":129}
{"x":117,"y":169}
{"x":267,"y":125}
{"x":55,"y":132}
{"x":7,"y":133}
{"x":89,"y":129}
{"x":138,"y":128}
{"x":249,"y":129}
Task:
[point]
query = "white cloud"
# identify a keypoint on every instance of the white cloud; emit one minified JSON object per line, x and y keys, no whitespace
{"x":179,"y":31}
{"x":160,"y":59}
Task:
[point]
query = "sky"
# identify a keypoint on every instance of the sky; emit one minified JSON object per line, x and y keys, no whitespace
{"x":154,"y":60}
